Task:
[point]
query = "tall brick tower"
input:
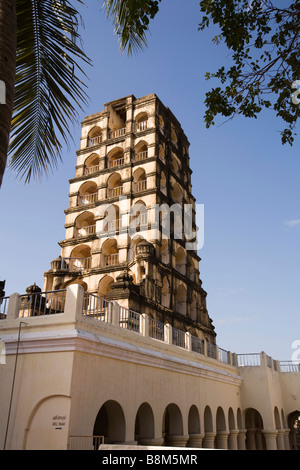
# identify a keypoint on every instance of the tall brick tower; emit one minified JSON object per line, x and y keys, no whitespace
{"x":126,"y":238}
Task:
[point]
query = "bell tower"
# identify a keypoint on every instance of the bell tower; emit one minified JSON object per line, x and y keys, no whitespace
{"x":125,"y":225}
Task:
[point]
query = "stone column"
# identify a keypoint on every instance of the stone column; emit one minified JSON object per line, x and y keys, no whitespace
{"x":176,"y":440}
{"x":195,"y":440}
{"x":259,"y":440}
{"x":154,"y":442}
{"x":221,"y":440}
{"x":280,"y":439}
{"x":287,"y":439}
{"x":233,"y":439}
{"x":241,"y":439}
{"x":209,"y":440}
{"x":251,"y":443}
{"x":270,"y":438}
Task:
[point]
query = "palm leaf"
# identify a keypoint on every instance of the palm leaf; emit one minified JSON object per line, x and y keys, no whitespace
{"x":131,"y":19}
{"x":48,"y":90}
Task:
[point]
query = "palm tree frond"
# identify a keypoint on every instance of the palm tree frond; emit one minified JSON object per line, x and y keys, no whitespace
{"x":48,"y":89}
{"x":131,"y":21}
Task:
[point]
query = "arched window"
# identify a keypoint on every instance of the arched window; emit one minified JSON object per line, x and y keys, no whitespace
{"x":88,"y":193}
{"x":80,"y":258}
{"x":110,"y":253}
{"x":112,"y":219}
{"x":85,"y":225}
{"x":114,"y":185}
{"x":115,"y":157}
{"x":141,"y":151}
{"x":180,"y":260}
{"x":139,"y":180}
{"x":165,"y":293}
{"x":94,"y":137}
{"x":138,"y":216}
{"x":104,"y":286}
{"x":181,"y":299}
{"x":91,"y":164}
{"x":141,"y":121}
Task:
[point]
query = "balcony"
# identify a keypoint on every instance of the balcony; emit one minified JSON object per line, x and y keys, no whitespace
{"x":115,"y":192}
{"x":112,"y":259}
{"x":140,"y":186}
{"x":91,"y":169}
{"x":141,"y":156}
{"x":94,"y":140}
{"x":87,"y":199}
{"x":141,"y":126}
{"x":117,"y":133}
{"x":86,"y":230}
{"x":116,"y":162}
{"x":76,"y":264}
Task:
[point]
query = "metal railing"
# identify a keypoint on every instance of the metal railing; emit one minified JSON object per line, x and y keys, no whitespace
{"x":211,"y":350}
{"x":249,"y":360}
{"x":223,"y":356}
{"x":178,"y":337}
{"x":289,"y":366}
{"x":96,"y":307}
{"x":3,"y":307}
{"x":42,"y":303}
{"x":85,"y":442}
{"x":76,"y":264}
{"x":117,"y":133}
{"x":197,"y":345}
{"x":156,"y":329}
{"x":129,"y":319}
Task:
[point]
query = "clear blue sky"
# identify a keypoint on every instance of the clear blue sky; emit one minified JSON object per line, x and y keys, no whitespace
{"x":247,"y":181}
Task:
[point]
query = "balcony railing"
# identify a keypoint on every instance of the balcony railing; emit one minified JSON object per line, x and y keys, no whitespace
{"x":95,"y":140}
{"x":116,"y":162}
{"x":129,"y":319}
{"x":141,"y":156}
{"x":111,"y":260}
{"x":76,"y":264}
{"x":141,"y":126}
{"x":289,"y":366}
{"x":86,"y":231}
{"x":156,"y":329}
{"x":140,"y":186}
{"x":114,"y":192}
{"x":178,"y":337}
{"x":246,"y":360}
{"x":87,"y":199}
{"x":112,"y":226}
{"x":89,"y":170}
{"x":197,"y":345}
{"x":96,"y":307}
{"x":117,"y":133}
{"x":44,"y":303}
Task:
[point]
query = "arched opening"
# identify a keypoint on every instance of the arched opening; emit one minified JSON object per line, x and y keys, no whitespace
{"x":194,"y":427}
{"x":194,"y":308}
{"x":85,"y":225}
{"x":177,"y":193}
{"x":141,"y":151}
{"x":175,"y":164}
{"x":104,"y":286}
{"x":180,"y":299}
{"x":110,"y":253}
{"x":91,"y":164}
{"x":144,"y":425}
{"x":172,"y":430}
{"x":88,"y":193}
{"x":180,"y":260}
{"x":115,"y":157}
{"x":111,"y":221}
{"x":94,"y":137}
{"x":138,"y":217}
{"x":110,"y":423}
{"x":254,"y":424}
{"x":221,"y":436}
{"x":139,"y":180}
{"x":114,"y":185}
{"x":174,"y":137}
{"x":163,"y":183}
{"x":80,"y":258}
{"x":208,"y":441}
{"x":166,"y":293}
{"x":294,"y":426}
{"x":141,"y":121}
{"x":162,"y":152}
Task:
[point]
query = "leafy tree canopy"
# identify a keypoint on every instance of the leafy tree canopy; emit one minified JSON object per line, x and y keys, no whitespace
{"x":264,"y":38}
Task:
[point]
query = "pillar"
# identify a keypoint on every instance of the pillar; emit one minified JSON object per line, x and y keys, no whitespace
{"x":233,"y":439}
{"x":221,"y":440}
{"x":174,"y":440}
{"x":195,"y":440}
{"x":251,"y":443}
{"x":241,"y":439}
{"x":270,"y":438}
{"x":287,"y":439}
{"x":280,"y":439}
{"x":209,"y":440}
